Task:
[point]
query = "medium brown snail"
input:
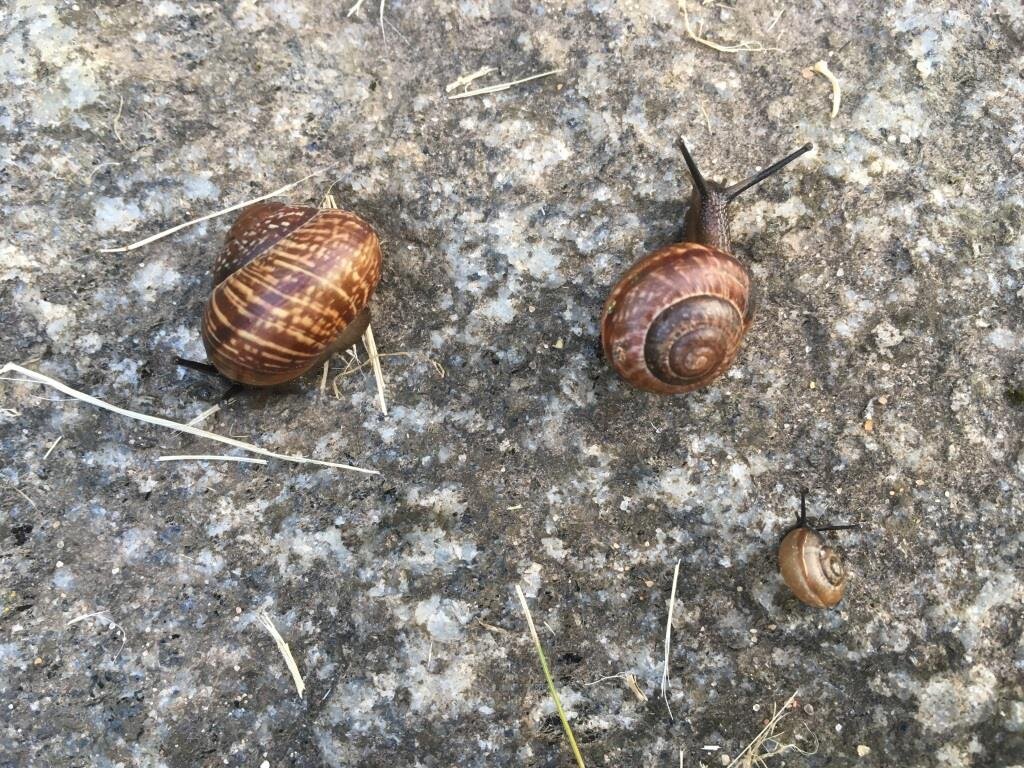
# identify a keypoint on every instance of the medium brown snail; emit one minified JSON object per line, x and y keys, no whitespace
{"x":291,"y":288}
{"x":675,"y":320}
{"x":813,"y":571}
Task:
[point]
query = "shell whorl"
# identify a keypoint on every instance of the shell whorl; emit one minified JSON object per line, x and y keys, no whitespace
{"x":288,"y":282}
{"x":813,"y":571}
{"x":675,"y":321}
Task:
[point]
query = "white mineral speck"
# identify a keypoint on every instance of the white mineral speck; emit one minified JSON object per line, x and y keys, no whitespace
{"x":113,"y":214}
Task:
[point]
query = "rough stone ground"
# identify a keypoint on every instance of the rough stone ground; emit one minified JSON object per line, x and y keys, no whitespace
{"x":890,"y":265}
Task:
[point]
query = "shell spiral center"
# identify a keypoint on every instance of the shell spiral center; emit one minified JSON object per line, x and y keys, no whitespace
{"x":693,"y":340}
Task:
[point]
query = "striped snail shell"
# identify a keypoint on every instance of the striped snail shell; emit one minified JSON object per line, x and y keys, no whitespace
{"x":814,"y":572}
{"x":291,"y":288}
{"x":674,"y":322}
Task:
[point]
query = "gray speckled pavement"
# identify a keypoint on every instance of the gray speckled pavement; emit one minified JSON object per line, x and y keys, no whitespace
{"x":884,"y":371}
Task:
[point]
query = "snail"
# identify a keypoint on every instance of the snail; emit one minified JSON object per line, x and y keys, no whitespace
{"x":813,"y":571}
{"x":675,"y":320}
{"x":290,"y":288}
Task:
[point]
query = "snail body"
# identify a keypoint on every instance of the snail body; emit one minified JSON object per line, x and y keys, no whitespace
{"x":291,"y":287}
{"x":675,"y":321}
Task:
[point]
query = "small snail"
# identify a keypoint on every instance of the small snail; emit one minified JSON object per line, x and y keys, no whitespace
{"x":813,"y":571}
{"x":291,"y":288}
{"x":675,"y":320}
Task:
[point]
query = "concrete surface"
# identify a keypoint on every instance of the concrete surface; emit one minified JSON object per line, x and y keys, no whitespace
{"x":890,"y":266}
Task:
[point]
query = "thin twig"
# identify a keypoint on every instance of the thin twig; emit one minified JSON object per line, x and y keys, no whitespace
{"x":39,"y":378}
{"x":547,"y":676}
{"x":668,"y":640}
{"x":215,"y":214}
{"x":383,"y":34}
{"x":502,"y":86}
{"x":282,"y":646}
{"x":354,"y":8}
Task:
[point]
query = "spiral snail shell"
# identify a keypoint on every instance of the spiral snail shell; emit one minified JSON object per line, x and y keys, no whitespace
{"x":291,"y":287}
{"x":813,"y":571}
{"x":674,"y":322}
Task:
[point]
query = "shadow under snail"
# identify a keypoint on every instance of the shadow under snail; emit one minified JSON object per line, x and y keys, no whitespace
{"x":813,"y":571}
{"x":291,"y":287}
{"x":675,"y":320}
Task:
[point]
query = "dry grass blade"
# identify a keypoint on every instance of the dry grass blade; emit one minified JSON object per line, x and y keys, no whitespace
{"x":211,"y":457}
{"x":668,"y":640}
{"x":103,"y":615}
{"x":207,"y":217}
{"x":502,"y":86}
{"x":354,"y":8}
{"x":378,"y":374}
{"x":631,"y":682}
{"x":117,"y":119}
{"x":463,"y":80}
{"x":38,"y":378}
{"x":323,"y":377}
{"x":204,"y":415}
{"x":752,"y":46}
{"x":634,"y":686}
{"x":54,"y":445}
{"x":286,"y":652}
{"x":547,"y":676}
{"x":23,"y":495}
{"x":750,"y":753}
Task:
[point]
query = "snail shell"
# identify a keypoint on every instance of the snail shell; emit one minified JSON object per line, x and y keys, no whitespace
{"x":813,"y":571}
{"x":291,"y":287}
{"x":676,"y":319}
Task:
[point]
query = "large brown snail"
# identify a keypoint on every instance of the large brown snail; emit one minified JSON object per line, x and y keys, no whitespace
{"x":290,"y":288}
{"x":814,"y":572}
{"x":675,"y":320}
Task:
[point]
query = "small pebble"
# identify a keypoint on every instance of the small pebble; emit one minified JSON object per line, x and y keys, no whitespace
{"x":863,"y":750}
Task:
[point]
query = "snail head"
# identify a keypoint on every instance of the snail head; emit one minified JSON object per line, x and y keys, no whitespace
{"x":706,"y":221}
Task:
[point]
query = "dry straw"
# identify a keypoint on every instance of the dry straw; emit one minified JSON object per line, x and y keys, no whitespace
{"x":268,"y":624}
{"x":168,"y":424}
{"x":751,"y":46}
